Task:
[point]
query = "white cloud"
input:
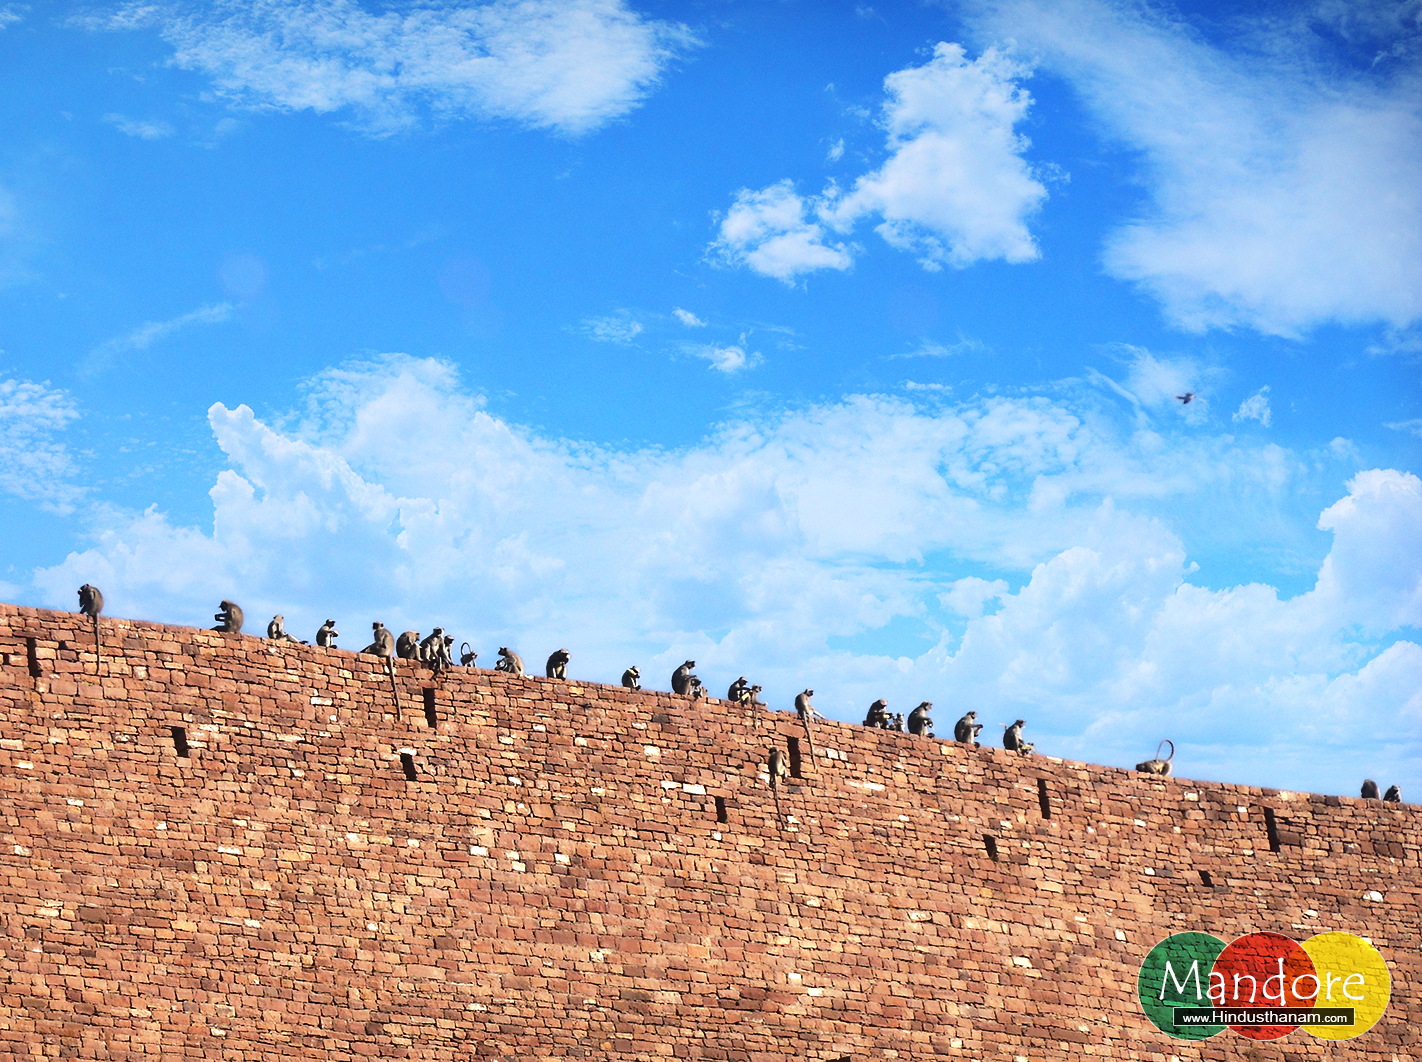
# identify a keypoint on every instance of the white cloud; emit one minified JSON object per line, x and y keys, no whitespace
{"x":836,"y":151}
{"x":1281,"y":193}
{"x":688,"y":318}
{"x":11,"y":13}
{"x":615,"y":329}
{"x":1412,"y":427}
{"x":148,"y":333}
{"x":768,"y":230}
{"x":569,"y":65}
{"x":727,"y":359}
{"x":789,"y":533}
{"x":1256,"y":407}
{"x":954,"y":190}
{"x":33,"y":465}
{"x":150,"y":129}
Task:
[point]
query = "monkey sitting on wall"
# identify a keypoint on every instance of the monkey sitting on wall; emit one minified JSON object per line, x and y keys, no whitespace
{"x":557,"y":666}
{"x":682,"y":676}
{"x":632,"y":678}
{"x":276,"y":630}
{"x":878,"y":715}
{"x":919,"y":720}
{"x":91,"y":601}
{"x":1393,"y":795}
{"x":967,"y":729}
{"x":467,"y":655}
{"x":1012,"y":739}
{"x":434,"y":651}
{"x":327,"y":635}
{"x":383,"y":642}
{"x":1370,"y":790}
{"x":229,"y":618}
{"x":509,"y":661}
{"x":407,"y":646}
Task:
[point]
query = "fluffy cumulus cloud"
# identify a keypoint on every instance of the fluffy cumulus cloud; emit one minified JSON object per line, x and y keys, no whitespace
{"x":955,"y":188}
{"x":1281,"y":187}
{"x":774,"y":232}
{"x":787,"y":547}
{"x":567,"y":65}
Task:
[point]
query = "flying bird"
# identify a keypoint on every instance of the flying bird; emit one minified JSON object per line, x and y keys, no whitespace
{"x":1186,"y":397}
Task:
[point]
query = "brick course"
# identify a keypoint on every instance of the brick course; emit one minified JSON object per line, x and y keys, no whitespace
{"x":555,"y":883}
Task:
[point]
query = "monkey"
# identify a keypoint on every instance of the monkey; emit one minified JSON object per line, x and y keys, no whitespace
{"x":803,"y":707}
{"x":229,"y":618}
{"x":1370,"y":790}
{"x":1012,"y":739}
{"x":407,"y":646}
{"x":467,"y":655}
{"x":557,"y":666}
{"x":327,"y":635}
{"x":753,"y":695}
{"x":779,"y":768}
{"x":276,"y":630}
{"x":1157,"y":765}
{"x":1393,"y":795}
{"x":91,"y":601}
{"x":434,"y":650}
{"x":509,"y":661}
{"x":967,"y":729}
{"x":681,"y":678}
{"x":897,"y":724}
{"x":446,"y":652}
{"x":632,"y":678}
{"x":878,"y":714}
{"x":737,"y":693}
{"x":384,"y":643}
{"x":919,"y":721}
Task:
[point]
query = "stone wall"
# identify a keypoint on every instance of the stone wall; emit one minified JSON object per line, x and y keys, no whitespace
{"x":534,"y":869}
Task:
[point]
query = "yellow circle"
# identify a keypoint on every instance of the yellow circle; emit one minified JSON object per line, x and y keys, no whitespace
{"x":1351,"y":973}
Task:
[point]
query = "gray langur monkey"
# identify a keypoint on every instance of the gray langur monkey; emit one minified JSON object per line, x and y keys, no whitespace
{"x":229,"y":618}
{"x":1157,"y":765}
{"x":753,"y":695}
{"x":383,"y":642}
{"x":1393,"y":795}
{"x":434,"y":651}
{"x":1012,"y":739}
{"x":967,"y":729}
{"x":779,"y":766}
{"x":632,"y":678}
{"x":878,"y":715}
{"x":1370,"y":790}
{"x":897,"y":723}
{"x":327,"y":635}
{"x":407,"y":646}
{"x":467,"y":655}
{"x":91,"y":601}
{"x":682,"y":676}
{"x":557,"y":666}
{"x":803,"y":707}
{"x":919,"y":720}
{"x":509,"y":661}
{"x":737,"y":693}
{"x":276,"y":630}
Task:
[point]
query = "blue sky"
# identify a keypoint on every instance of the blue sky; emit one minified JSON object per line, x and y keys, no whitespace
{"x":829,"y":344}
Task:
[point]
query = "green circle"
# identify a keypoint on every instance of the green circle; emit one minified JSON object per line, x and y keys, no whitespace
{"x":1176,"y":973}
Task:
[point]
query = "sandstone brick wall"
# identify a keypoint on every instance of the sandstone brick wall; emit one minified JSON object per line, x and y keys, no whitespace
{"x":576,"y":871}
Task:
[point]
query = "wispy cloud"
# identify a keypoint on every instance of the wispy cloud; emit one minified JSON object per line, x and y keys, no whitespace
{"x":727,"y":359}
{"x":688,"y":318}
{"x":33,"y":464}
{"x":143,"y":129}
{"x":1256,"y":407}
{"x":929,"y":349}
{"x":954,"y":190}
{"x":613,"y":329}
{"x":1282,"y":190}
{"x":148,"y":333}
{"x":12,"y":13}
{"x":567,"y":65}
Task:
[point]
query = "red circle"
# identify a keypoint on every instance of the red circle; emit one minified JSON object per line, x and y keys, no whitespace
{"x":1263,"y":970}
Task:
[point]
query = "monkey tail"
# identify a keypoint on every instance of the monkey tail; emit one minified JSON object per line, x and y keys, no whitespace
{"x":1162,"y":745}
{"x":394,"y":690}
{"x":98,"y":648}
{"x":775,"y":792}
{"x":809,"y":732}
